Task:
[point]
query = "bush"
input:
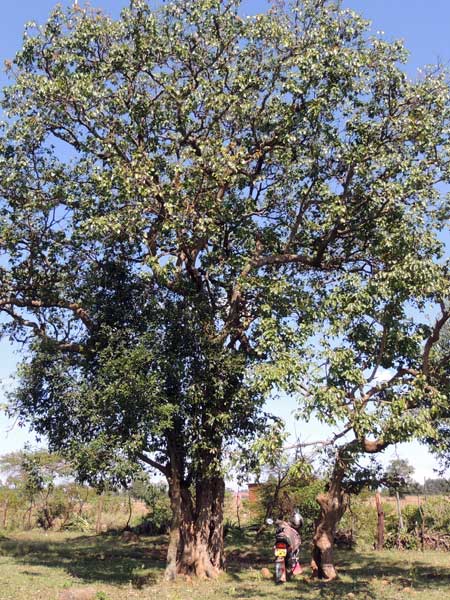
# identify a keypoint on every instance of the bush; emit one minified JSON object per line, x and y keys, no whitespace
{"x":305,"y":500}
{"x":297,"y":493}
{"x":156,"y":498}
{"x":361,"y":519}
{"x":77,"y":523}
{"x":436,"y":514}
{"x":403,"y":540}
{"x":56,"y":507}
{"x":433,"y":514}
{"x":412,"y":517}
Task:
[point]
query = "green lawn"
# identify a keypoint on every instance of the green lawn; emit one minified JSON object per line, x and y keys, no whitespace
{"x":36,"y":565}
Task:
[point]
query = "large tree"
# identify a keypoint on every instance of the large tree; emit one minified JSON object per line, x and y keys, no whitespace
{"x":181,"y":190}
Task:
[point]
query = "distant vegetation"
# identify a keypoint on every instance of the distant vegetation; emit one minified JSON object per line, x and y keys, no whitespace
{"x":39,"y":490}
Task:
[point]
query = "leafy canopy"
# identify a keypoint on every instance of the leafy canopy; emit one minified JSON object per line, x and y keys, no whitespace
{"x":185,"y":194}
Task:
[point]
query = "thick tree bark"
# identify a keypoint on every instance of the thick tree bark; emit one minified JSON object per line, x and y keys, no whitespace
{"x":333,"y":504}
{"x":176,"y":505}
{"x":215,"y":495}
{"x":196,"y":533}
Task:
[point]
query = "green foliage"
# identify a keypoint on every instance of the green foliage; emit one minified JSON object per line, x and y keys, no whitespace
{"x":156,"y":498}
{"x":297,"y":488}
{"x":437,"y":485}
{"x":34,"y":481}
{"x":39,"y":466}
{"x":265,"y":454}
{"x":435,"y":513}
{"x":438,"y":440}
{"x":36,"y":495}
{"x":11,"y":501}
{"x":399,"y":476}
{"x":193,"y":203}
{"x":30,"y":481}
{"x":305,"y":500}
{"x":77,"y":523}
{"x":402,"y":539}
{"x":412,"y":517}
{"x":361,"y":519}
{"x":55,"y":507}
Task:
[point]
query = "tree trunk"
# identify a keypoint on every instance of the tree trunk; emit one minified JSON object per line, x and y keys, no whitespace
{"x":177,"y":506}
{"x":422,"y":525}
{"x":46,"y":510}
{"x":28,"y":514}
{"x":380,"y":524}
{"x":130,"y":512}
{"x":5,"y":513}
{"x":399,"y":512}
{"x":213,"y":525}
{"x":98,"y":524}
{"x":333,"y":504}
{"x":196,"y":533}
{"x":48,"y":518}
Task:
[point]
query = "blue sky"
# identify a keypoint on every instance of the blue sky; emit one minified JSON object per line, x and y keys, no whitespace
{"x":424,"y":25}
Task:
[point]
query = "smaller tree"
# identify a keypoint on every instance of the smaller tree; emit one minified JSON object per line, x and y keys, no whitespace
{"x":439,"y":441}
{"x":9,"y":505}
{"x":32,"y":475}
{"x":399,"y":477}
{"x":35,"y":483}
{"x":291,"y":485}
{"x":375,"y":387}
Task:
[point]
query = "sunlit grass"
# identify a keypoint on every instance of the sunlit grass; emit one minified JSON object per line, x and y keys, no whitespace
{"x":35,"y":565}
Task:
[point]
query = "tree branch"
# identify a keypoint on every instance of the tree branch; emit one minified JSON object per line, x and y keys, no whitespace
{"x":434,"y":337}
{"x":75,"y":308}
{"x":155,"y":465}
{"x":39,"y":331}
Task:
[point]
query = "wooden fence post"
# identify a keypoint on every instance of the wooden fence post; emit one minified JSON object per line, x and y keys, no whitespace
{"x":380,"y":524}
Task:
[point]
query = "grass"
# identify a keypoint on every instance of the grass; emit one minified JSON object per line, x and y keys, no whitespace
{"x":35,"y":565}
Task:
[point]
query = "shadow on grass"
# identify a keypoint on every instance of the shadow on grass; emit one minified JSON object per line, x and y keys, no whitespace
{"x":363,"y":574}
{"x":103,"y":558}
{"x":108,"y":559}
{"x":302,"y":587}
{"x":402,"y":569}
